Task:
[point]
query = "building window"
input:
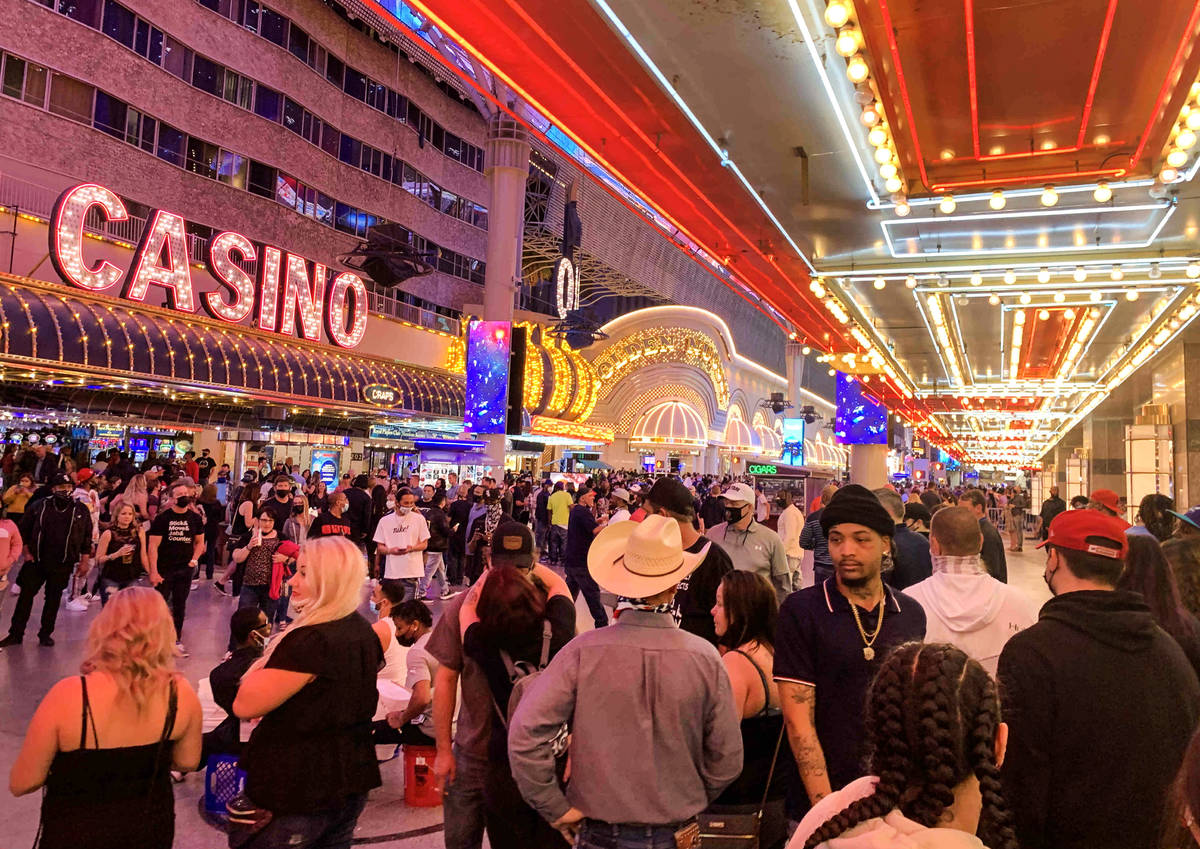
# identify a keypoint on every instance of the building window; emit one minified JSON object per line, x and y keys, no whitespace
{"x":355,"y":84}
{"x":331,"y":140}
{"x":293,"y":115}
{"x":110,"y":115}
{"x":35,"y":85}
{"x":119,"y":23}
{"x":250,"y":19}
{"x":208,"y":76}
{"x":299,"y":43}
{"x":232,"y":169}
{"x":261,"y":180}
{"x":335,"y":69}
{"x":202,"y":157}
{"x":148,"y":42}
{"x":238,"y":89}
{"x":14,"y":76}
{"x":177,"y":59}
{"x":84,"y":11}
{"x":171,"y":143}
{"x":273,"y":27}
{"x":267,"y":103}
{"x":71,"y":99}
{"x":351,"y":152}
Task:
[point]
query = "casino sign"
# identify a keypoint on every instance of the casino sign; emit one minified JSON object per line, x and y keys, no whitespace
{"x":290,"y":295}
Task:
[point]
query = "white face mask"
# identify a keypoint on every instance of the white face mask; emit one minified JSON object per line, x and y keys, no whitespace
{"x":404,"y":511}
{"x":391,"y":503}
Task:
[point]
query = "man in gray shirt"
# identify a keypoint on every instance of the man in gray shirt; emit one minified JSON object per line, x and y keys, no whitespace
{"x":655,"y":735}
{"x":753,"y":547}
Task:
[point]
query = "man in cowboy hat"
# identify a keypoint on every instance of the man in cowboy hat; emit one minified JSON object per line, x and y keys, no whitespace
{"x":665,"y":688}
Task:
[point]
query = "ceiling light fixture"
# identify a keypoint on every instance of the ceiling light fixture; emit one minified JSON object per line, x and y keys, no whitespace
{"x":879,"y":283}
{"x":837,"y":13}
{"x":848,"y":42}
{"x":857,"y":70}
{"x":910,"y":282}
{"x":1116,"y":273}
{"x":1080,"y":274}
{"x":1102,"y":193}
{"x":1043,"y":275}
{"x":947,"y":204}
{"x":1049,"y":196}
{"x":997,"y":200}
{"x":1010,"y":276}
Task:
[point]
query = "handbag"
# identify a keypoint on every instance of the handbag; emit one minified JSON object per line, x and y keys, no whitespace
{"x":738,"y":830}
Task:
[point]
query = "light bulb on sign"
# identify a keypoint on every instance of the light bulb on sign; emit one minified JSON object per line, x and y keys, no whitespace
{"x":994,"y":299}
{"x":869,"y":116}
{"x":1080,"y":274}
{"x":997,"y":200}
{"x":1193,"y":269}
{"x":1177,"y":158}
{"x":1168,"y":174}
{"x":1044,"y":315}
{"x":1010,"y":276}
{"x":1049,"y":196}
{"x":1186,"y":139}
{"x":902,"y":208}
{"x":910,"y":282}
{"x":1131,"y":295}
{"x":883,"y":155}
{"x":1025,"y":298}
{"x":837,"y":13}
{"x":888,"y":170}
{"x":878,"y":136}
{"x":1095,"y":297}
{"x":1193,"y":120}
{"x":857,"y":70}
{"x":1043,"y":275}
{"x":1102,"y":193}
{"x":1116,"y":273}
{"x":948,"y":204}
{"x":1059,"y":297}
{"x":879,"y":283}
{"x":976,"y":279}
{"x":893,"y":184}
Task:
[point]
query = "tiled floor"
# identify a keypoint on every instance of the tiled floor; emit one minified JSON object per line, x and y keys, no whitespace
{"x":27,"y":671}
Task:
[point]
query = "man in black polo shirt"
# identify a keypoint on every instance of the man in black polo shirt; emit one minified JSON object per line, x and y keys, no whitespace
{"x":582,"y":528}
{"x":830,"y":642}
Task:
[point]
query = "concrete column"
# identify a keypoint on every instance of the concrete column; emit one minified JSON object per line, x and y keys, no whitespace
{"x":868,"y":465}
{"x":507,"y":170}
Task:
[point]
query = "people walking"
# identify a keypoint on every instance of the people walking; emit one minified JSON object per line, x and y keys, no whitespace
{"x":175,"y":546}
{"x":582,"y":529}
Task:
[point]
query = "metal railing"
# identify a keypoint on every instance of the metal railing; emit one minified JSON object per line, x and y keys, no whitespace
{"x":34,"y":199}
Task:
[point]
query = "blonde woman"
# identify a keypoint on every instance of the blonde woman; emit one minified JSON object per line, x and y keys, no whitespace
{"x":103,"y":744}
{"x":310,"y":761}
{"x":121,"y":554}
{"x":137,"y":494}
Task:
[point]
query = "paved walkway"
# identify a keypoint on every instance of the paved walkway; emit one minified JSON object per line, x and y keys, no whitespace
{"x":28,"y":671}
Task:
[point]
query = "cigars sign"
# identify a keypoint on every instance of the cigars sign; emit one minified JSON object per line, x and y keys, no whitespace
{"x":290,"y":295}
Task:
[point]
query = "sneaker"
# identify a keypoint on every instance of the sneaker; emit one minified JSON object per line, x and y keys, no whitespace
{"x":195,"y":585}
{"x":10,"y":640}
{"x":16,"y":588}
{"x":48,"y":642}
{"x":446,"y":593}
{"x":220,"y":588}
{"x":79,"y":604}
{"x":180,"y":651}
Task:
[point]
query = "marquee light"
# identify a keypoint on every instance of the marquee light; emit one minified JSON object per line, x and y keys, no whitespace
{"x":161,"y":259}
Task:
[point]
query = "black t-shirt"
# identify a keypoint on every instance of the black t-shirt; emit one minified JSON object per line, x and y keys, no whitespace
{"x":818,"y":643}
{"x":177,"y":530}
{"x":697,"y":593}
{"x":328,"y":525}
{"x":581,"y":530}
{"x":315,"y":749}
{"x":485,"y":651}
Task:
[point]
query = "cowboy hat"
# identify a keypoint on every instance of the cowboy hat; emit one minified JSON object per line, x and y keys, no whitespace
{"x":641,"y":559}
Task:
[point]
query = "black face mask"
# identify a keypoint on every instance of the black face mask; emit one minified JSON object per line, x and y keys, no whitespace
{"x":476,"y":497}
{"x":183,"y":500}
{"x":62,"y":499}
{"x":733,"y":515}
{"x":297,"y":508}
{"x":283,"y":493}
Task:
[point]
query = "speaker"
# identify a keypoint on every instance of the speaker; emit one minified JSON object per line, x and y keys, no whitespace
{"x":516,"y":381}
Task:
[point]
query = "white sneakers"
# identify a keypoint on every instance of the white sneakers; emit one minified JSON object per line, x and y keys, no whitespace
{"x":79,"y":604}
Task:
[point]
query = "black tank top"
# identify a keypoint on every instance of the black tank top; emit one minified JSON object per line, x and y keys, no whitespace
{"x":128,"y":567}
{"x":111,"y":798}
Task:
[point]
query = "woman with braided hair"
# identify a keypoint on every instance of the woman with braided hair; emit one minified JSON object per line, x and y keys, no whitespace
{"x":933,"y":724}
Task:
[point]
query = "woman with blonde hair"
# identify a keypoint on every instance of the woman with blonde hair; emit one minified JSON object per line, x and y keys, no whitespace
{"x":137,"y":494}
{"x":311,"y":760}
{"x":103,"y":743}
{"x":121,"y":554}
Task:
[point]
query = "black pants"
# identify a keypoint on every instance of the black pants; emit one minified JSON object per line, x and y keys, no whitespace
{"x":581,"y":579}
{"x":511,"y":823}
{"x":33,"y":576}
{"x":175,"y":587}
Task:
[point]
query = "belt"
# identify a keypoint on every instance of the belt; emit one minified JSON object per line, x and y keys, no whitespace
{"x":629,"y":829}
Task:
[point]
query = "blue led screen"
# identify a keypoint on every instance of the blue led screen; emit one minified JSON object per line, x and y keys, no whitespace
{"x":489,"y":345}
{"x":859,"y":420}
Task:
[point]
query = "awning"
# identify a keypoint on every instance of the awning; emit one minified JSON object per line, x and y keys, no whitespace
{"x":772,"y":443}
{"x":50,"y":325}
{"x":739,"y":437}
{"x":670,"y":423}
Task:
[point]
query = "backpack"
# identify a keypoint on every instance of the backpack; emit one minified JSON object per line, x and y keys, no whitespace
{"x":522,"y":674}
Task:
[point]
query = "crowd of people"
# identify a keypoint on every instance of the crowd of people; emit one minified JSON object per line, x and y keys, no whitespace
{"x":902,"y":694}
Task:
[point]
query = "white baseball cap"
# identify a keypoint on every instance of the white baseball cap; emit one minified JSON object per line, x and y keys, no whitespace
{"x":739,"y":492}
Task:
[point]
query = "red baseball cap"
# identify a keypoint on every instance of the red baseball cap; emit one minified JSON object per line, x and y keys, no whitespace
{"x":84,"y":475}
{"x":1072,"y":528}
{"x":1108,"y":498}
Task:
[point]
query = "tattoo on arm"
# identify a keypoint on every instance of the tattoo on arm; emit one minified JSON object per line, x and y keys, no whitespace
{"x":800,"y":715}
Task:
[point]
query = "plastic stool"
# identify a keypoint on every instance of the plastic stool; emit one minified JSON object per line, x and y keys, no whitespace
{"x":420,"y":788}
{"x":222,"y":781}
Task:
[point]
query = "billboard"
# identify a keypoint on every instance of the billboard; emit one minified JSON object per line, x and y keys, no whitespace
{"x":793,"y":442}
{"x":859,"y":420}
{"x":489,"y":348}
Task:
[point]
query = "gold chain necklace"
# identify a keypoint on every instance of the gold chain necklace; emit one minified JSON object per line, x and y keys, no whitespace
{"x":868,"y":652}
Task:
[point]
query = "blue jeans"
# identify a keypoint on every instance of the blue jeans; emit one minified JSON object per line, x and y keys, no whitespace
{"x":407,"y":585}
{"x":332,"y":828}
{"x":557,"y":543}
{"x":462,"y":802}
{"x":104,"y":585}
{"x":435,"y":569}
{"x":582,"y":580}
{"x":594,"y":834}
{"x":258,"y":595}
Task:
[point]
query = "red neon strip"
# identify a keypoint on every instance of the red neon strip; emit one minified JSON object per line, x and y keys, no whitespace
{"x":992,"y":157}
{"x":1029,"y":178}
{"x":1166,"y":86}
{"x":1091,"y":95}
{"x":895,"y":50}
{"x":969,"y":12}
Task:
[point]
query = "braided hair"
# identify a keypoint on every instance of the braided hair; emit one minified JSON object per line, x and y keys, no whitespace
{"x":931,"y":720}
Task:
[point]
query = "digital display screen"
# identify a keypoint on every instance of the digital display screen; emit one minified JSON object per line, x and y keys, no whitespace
{"x":859,"y":419}
{"x":325,"y":464}
{"x":489,"y":346}
{"x":793,"y":442}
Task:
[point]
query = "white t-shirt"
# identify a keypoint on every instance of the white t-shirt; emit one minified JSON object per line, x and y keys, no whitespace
{"x":396,"y":531}
{"x":621,"y":515}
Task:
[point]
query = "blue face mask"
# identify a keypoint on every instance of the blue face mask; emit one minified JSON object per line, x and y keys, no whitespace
{"x":374,"y":607}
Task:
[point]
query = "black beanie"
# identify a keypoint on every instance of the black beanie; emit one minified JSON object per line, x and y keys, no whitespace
{"x":854,"y":504}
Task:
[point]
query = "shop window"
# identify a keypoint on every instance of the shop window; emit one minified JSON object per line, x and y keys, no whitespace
{"x":293,"y":115}
{"x":208,"y":76}
{"x":232,"y":169}
{"x":355,"y":84}
{"x":14,"y":76}
{"x":171,"y":143}
{"x":202,"y":157}
{"x":273,"y":27}
{"x":119,"y":24}
{"x":351,"y":152}
{"x":299,"y":43}
{"x":177,"y":59}
{"x":267,"y":103}
{"x":35,"y":85}
{"x":331,"y":140}
{"x":84,"y":11}
{"x":110,"y":115}
{"x":261,"y":179}
{"x":335,"y":70}
{"x":71,"y":98}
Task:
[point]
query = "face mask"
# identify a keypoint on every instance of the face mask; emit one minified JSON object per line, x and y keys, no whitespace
{"x":391,"y":503}
{"x":476,"y":497}
{"x":374,"y":607}
{"x":297,"y":509}
{"x":733,"y":515}
{"x":259,"y":638}
{"x":62,"y":498}
{"x":407,"y":640}
{"x":404,"y":511}
{"x":283,"y":493}
{"x":183,"y":500}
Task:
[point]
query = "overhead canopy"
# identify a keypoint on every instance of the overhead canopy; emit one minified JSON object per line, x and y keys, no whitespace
{"x":50,"y":325}
{"x":738,"y":435}
{"x":670,"y":423}
{"x":772,"y":443}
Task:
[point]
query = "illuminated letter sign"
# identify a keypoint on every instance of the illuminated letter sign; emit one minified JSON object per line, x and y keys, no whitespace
{"x":66,"y":236}
{"x":381,"y":395}
{"x":764,"y":469}
{"x":284,"y":295}
{"x":566,"y":279}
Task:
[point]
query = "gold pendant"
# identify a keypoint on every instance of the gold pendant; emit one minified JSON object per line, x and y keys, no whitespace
{"x":868,"y":653}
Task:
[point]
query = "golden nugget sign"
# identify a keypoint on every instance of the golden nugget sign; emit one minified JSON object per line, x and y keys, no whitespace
{"x":289,"y":295}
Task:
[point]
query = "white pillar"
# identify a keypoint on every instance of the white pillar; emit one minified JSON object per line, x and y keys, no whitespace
{"x":868,"y":465}
{"x":507,"y":169}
